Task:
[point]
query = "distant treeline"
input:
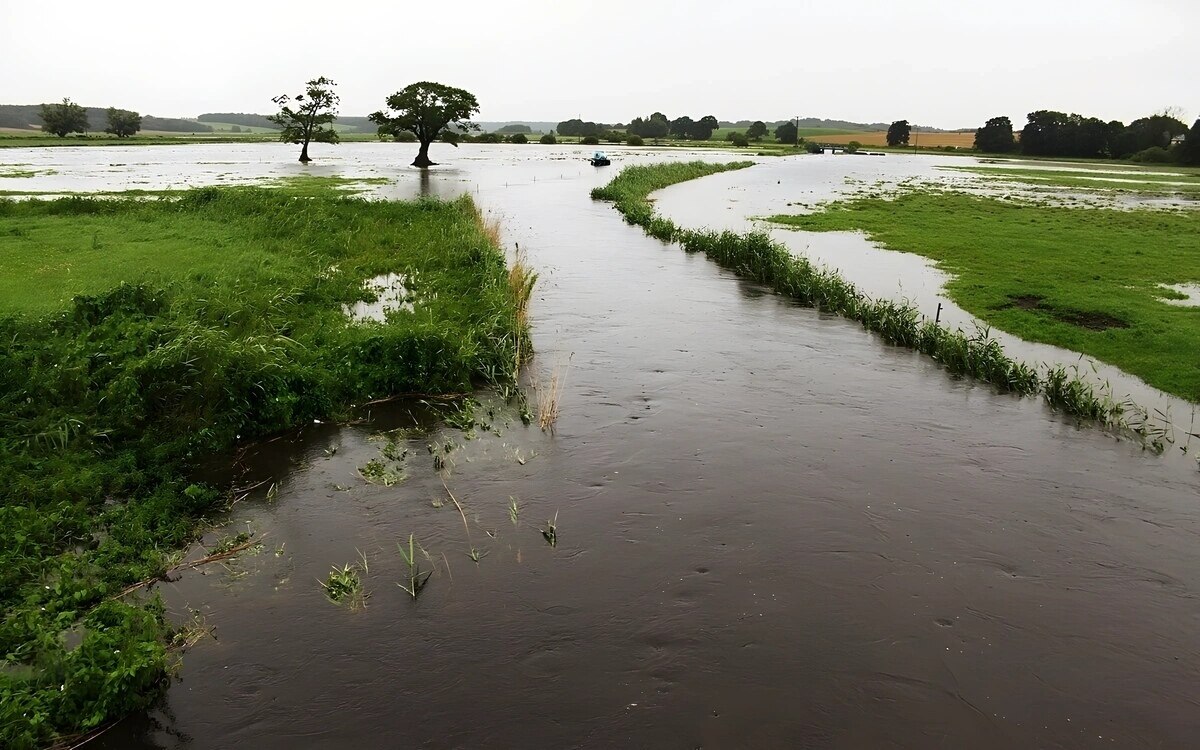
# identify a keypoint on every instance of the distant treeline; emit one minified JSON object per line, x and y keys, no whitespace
{"x":249,"y":119}
{"x":28,"y":116}
{"x":1157,"y":138}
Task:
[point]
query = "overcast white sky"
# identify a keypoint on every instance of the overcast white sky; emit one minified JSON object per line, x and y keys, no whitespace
{"x":947,"y":64}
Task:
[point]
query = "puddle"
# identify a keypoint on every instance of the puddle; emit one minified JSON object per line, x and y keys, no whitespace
{"x":391,"y":294}
{"x":1183,"y":295}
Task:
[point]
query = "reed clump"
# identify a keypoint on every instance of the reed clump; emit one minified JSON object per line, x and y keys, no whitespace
{"x":757,"y":257}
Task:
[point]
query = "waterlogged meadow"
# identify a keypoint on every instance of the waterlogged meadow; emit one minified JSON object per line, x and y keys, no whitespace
{"x":144,"y":335}
{"x":756,"y":256}
{"x":751,"y":489}
{"x":1096,"y":280}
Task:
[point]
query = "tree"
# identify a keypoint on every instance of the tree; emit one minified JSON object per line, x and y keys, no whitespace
{"x":122,"y":123}
{"x":852,"y":147}
{"x":898,"y":133}
{"x":519,"y":138}
{"x":757,"y":130}
{"x":681,"y":127}
{"x":703,"y":129}
{"x":739,"y":140}
{"x":787,"y":133}
{"x":548,"y":139}
{"x":996,"y":136}
{"x":426,"y":109}
{"x":61,"y":119}
{"x":312,"y":117}
{"x":1189,"y":152}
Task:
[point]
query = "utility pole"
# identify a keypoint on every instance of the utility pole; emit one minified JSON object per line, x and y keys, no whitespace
{"x":797,"y":141}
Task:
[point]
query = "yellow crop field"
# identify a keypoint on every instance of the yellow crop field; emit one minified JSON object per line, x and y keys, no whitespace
{"x":879,"y":138}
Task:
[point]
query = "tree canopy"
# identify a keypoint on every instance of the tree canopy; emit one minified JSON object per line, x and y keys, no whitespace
{"x":122,"y":122}
{"x":1189,"y":152}
{"x":311,"y":118}
{"x":787,"y":133}
{"x":426,"y":109}
{"x":757,"y":130}
{"x":898,"y":133}
{"x":996,"y":136}
{"x":64,"y":118}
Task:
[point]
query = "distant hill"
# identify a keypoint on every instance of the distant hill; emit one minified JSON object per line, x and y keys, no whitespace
{"x":28,"y":116}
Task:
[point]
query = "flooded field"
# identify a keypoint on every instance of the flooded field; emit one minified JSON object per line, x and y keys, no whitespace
{"x":770,"y":529}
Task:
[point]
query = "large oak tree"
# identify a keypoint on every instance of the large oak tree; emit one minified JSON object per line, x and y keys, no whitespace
{"x":61,"y":119}
{"x":426,"y":110}
{"x":308,"y":117}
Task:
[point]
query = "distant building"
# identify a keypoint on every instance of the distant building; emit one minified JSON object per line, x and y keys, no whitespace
{"x":1179,"y":139}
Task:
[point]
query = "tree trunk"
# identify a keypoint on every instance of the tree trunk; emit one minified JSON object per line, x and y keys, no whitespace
{"x":304,"y":154}
{"x":422,"y":159}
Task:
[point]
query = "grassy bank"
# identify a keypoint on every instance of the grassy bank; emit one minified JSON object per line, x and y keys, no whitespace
{"x":757,"y":257}
{"x":143,"y":335}
{"x":1089,"y":280}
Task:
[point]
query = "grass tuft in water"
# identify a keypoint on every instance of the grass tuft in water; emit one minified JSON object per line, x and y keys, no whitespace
{"x":416,"y":579}
{"x":344,"y":585}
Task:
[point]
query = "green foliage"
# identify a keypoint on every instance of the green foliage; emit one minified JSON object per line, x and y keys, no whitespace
{"x":852,"y":147}
{"x":109,"y":401}
{"x":548,"y":139}
{"x":635,"y":140}
{"x":311,"y":118}
{"x":787,"y":133}
{"x":996,"y":136}
{"x":123,"y":123}
{"x":590,"y":140}
{"x":757,"y":130}
{"x":739,"y":140}
{"x":426,"y":110}
{"x":62,"y":119}
{"x":1087,"y":280}
{"x":898,"y":133}
{"x":812,"y":147}
{"x":1152,"y":155}
{"x":1189,"y":153}
{"x":519,"y":138}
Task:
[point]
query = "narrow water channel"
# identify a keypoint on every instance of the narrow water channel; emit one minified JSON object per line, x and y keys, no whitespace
{"x":772,"y":531}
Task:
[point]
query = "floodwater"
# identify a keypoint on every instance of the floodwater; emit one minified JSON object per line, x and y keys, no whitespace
{"x":772,"y":530}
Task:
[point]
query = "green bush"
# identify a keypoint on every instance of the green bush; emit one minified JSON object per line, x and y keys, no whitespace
{"x":548,"y":139}
{"x":635,"y":140}
{"x":1152,"y":155}
{"x":518,"y":138}
{"x":739,"y":140}
{"x":590,"y":140}
{"x":852,"y":147}
{"x":812,"y":148}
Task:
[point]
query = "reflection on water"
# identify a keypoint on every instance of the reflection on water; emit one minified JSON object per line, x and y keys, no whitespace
{"x":773,"y":531}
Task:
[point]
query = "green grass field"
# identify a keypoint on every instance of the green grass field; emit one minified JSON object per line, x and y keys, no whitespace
{"x":1084,"y":279}
{"x":1181,"y":180}
{"x":142,"y":335}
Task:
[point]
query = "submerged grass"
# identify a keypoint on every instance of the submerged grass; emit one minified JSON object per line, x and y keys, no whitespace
{"x":1090,"y":280}
{"x":757,"y":257}
{"x":141,"y":336}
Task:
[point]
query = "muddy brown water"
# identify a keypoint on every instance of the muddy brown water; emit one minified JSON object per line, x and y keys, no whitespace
{"x":773,"y":531}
